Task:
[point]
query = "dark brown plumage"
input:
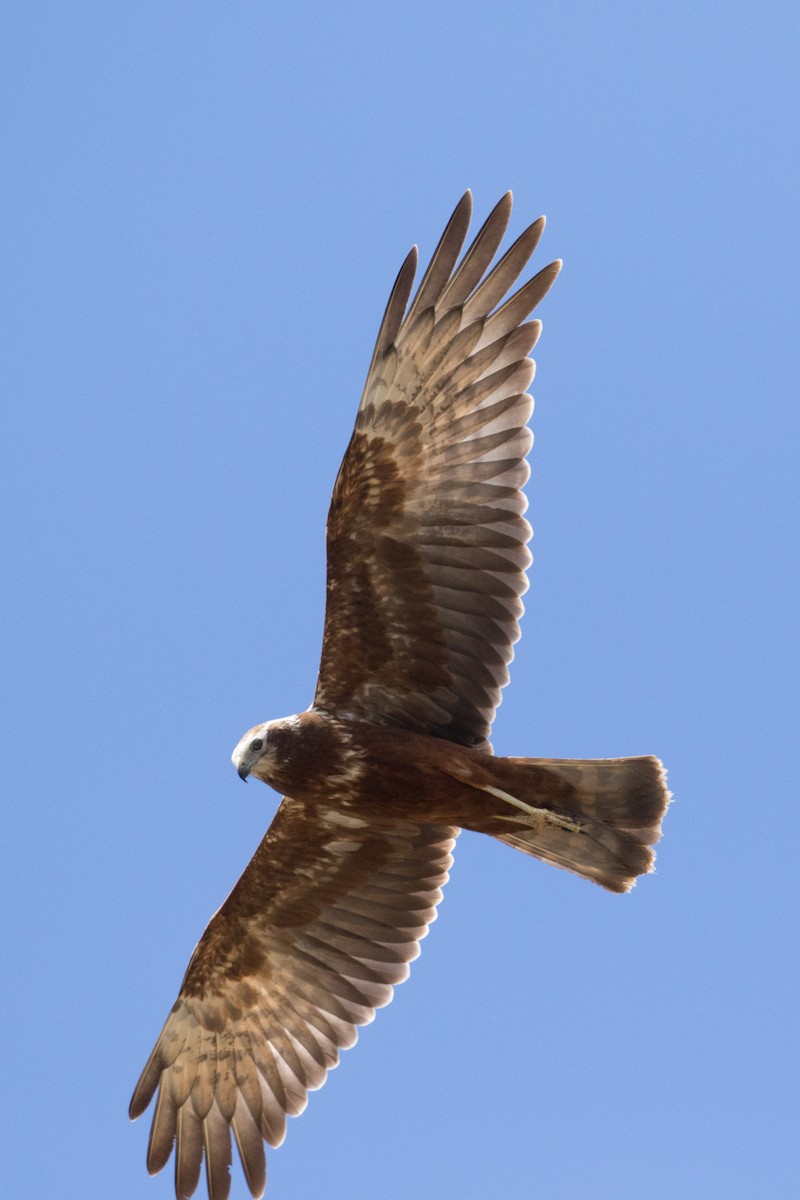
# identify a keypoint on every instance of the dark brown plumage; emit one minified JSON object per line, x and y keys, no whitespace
{"x":427,"y":553}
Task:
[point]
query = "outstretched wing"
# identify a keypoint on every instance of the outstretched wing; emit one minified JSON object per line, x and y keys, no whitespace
{"x":427,"y":543}
{"x":320,"y":927}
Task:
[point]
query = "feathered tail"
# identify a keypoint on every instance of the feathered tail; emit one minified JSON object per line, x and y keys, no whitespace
{"x":596,"y":817}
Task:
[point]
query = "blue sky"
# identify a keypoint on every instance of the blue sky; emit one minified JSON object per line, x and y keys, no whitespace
{"x":205,"y":206}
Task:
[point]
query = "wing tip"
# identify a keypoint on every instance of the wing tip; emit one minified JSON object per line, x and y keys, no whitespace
{"x":145,"y":1090}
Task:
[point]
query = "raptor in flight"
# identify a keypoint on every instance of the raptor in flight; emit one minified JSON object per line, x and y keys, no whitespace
{"x":427,"y":553}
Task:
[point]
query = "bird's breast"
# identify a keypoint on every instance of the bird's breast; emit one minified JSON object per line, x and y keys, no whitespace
{"x":372,"y":769}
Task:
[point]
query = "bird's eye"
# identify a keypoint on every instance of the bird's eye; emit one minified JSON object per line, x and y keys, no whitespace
{"x":258,"y":744}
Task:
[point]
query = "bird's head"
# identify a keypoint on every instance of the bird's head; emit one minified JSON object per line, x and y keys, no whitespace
{"x":252,"y":747}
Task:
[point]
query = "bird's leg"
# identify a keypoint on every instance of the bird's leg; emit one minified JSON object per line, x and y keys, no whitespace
{"x":536,"y":816}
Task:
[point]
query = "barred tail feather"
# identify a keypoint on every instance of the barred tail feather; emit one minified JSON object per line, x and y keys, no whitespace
{"x":611,"y":809}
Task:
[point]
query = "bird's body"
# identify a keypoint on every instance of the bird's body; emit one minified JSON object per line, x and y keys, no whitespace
{"x":367,"y":772}
{"x":427,"y":554}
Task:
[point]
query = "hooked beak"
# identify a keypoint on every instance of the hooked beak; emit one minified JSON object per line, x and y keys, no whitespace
{"x":243,"y":772}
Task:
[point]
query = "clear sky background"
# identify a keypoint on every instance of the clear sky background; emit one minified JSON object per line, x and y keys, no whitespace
{"x":205,"y":206}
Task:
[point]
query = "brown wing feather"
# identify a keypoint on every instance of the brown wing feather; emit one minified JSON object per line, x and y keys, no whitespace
{"x":313,"y":938}
{"x":427,"y":543}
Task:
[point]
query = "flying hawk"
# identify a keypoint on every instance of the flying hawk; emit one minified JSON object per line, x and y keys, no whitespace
{"x":427,"y":553}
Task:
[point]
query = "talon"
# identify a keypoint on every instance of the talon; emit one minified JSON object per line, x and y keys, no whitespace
{"x":535,"y":815}
{"x":565,"y":823}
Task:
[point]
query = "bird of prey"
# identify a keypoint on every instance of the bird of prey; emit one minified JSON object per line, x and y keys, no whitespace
{"x":427,"y":554}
